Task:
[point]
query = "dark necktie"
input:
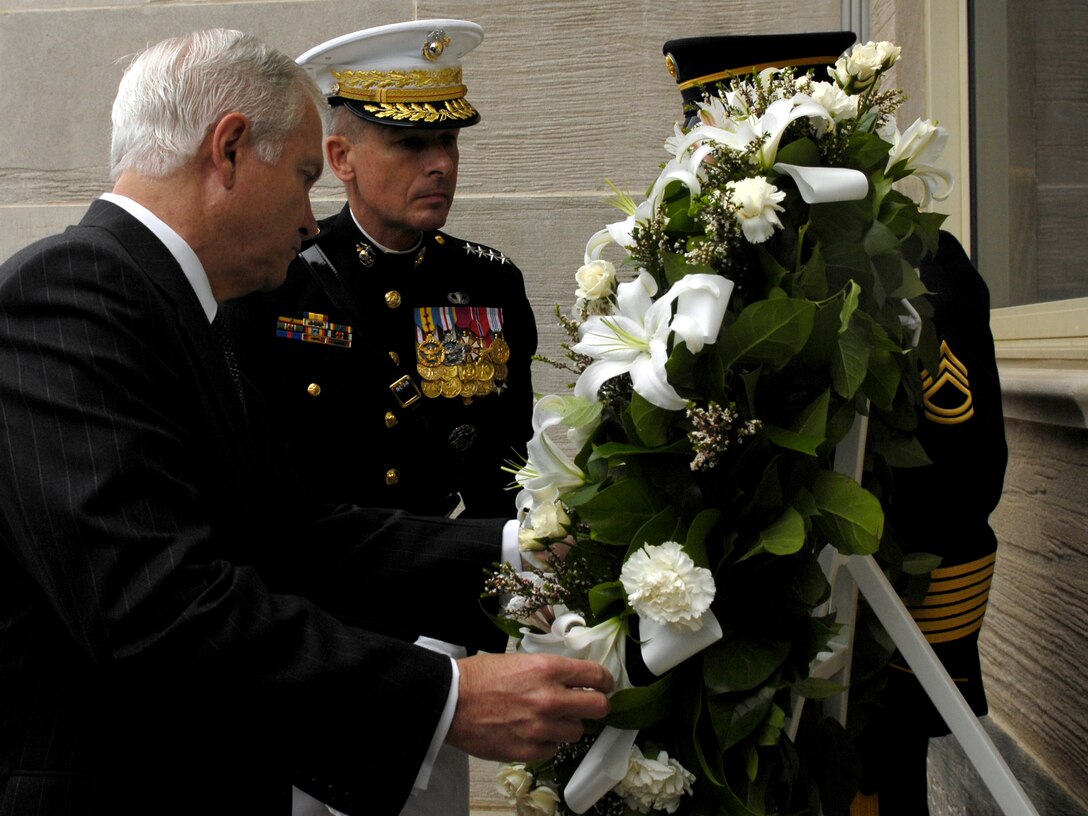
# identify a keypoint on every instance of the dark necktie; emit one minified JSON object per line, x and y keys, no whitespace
{"x":221,"y":329}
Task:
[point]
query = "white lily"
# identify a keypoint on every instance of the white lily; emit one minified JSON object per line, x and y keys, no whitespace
{"x":769,"y":128}
{"x":547,"y":466}
{"x":919,"y":146}
{"x":604,"y":643}
{"x":622,"y":232}
{"x":635,"y":339}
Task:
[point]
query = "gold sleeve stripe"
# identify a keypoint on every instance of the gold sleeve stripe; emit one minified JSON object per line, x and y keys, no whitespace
{"x":963,"y":569}
{"x":919,"y":613}
{"x":944,"y":598}
{"x":956,"y":603}
{"x":954,"y":634}
{"x":947,"y":624}
{"x":950,"y":584}
{"x":907,"y":670}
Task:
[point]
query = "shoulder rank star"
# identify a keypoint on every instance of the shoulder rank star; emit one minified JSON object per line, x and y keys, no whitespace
{"x":482,"y":252}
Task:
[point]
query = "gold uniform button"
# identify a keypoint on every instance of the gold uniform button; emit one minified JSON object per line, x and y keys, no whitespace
{"x":392,"y":298}
{"x":313,"y":389}
{"x":390,"y":419}
{"x":392,"y":476}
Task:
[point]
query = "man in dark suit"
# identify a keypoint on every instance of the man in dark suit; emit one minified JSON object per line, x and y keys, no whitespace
{"x":175,"y":637}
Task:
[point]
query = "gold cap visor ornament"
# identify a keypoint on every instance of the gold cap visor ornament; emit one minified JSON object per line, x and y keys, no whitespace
{"x":405,"y":74}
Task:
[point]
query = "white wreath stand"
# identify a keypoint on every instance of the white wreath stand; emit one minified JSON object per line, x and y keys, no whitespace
{"x":850,"y":574}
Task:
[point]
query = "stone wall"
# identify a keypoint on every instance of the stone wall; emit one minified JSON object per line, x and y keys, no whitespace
{"x":572,"y":94}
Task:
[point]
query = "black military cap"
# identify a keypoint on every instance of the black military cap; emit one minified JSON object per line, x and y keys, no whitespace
{"x":405,"y":74}
{"x":698,"y":64}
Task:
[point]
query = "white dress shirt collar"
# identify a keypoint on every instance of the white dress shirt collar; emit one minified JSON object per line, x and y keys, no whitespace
{"x":183,"y":253}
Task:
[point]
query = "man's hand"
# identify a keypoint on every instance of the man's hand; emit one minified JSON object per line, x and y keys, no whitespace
{"x":519,"y":707}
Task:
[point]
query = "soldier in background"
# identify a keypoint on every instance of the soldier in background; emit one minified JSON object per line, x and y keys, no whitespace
{"x":941,"y":509}
{"x":396,"y":358}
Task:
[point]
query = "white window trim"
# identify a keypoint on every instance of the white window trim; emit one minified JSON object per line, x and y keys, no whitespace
{"x":1042,"y":349}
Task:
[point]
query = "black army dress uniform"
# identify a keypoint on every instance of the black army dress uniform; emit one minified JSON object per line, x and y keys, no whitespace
{"x":424,"y":355}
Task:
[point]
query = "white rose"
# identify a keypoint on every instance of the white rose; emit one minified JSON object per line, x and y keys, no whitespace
{"x":513,"y":781}
{"x":757,"y":206}
{"x":858,"y":71}
{"x":664,"y":585}
{"x":597,"y":279}
{"x":544,"y":522}
{"x":654,"y":784}
{"x":542,"y":801}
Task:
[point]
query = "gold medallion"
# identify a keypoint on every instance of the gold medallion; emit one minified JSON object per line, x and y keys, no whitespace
{"x":430,"y":352}
{"x":427,"y":372}
{"x":468,"y":371}
{"x":431,"y":388}
{"x":451,"y":388}
{"x":501,"y":371}
{"x":485,"y":371}
{"x":469,"y":388}
{"x":449,"y":372}
{"x":499,"y":351}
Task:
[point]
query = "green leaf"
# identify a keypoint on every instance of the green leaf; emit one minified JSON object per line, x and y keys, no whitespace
{"x":792,"y":440}
{"x":742,"y":663}
{"x":850,"y":364}
{"x":701,"y":526}
{"x":767,"y":332}
{"x":785,"y":536}
{"x":677,"y":266}
{"x":882,"y":379}
{"x":803,"y":152}
{"x":616,"y":513}
{"x":651,"y":423}
{"x":850,"y":297}
{"x":817,"y":688}
{"x":620,"y":452}
{"x":772,"y":727}
{"x":642,"y":706}
{"x":920,"y":563}
{"x":879,"y":239}
{"x":850,"y":517}
{"x":901,"y":452}
{"x":662,"y":527}
{"x":747,"y":715}
{"x":604,"y":595}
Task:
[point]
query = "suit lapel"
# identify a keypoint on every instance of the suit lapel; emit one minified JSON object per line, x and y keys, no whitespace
{"x":155,"y":260}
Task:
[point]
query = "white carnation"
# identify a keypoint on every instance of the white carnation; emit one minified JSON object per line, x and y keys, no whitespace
{"x":838,"y":104}
{"x":654,"y":784}
{"x":664,"y":585}
{"x":757,"y":205}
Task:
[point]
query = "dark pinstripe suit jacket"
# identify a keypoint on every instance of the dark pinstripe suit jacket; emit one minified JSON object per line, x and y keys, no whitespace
{"x":173,"y":637}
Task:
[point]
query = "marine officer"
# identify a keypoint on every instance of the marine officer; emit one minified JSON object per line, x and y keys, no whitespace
{"x":396,"y":357}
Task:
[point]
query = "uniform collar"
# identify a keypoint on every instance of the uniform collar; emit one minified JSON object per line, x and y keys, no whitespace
{"x":384,"y":249}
